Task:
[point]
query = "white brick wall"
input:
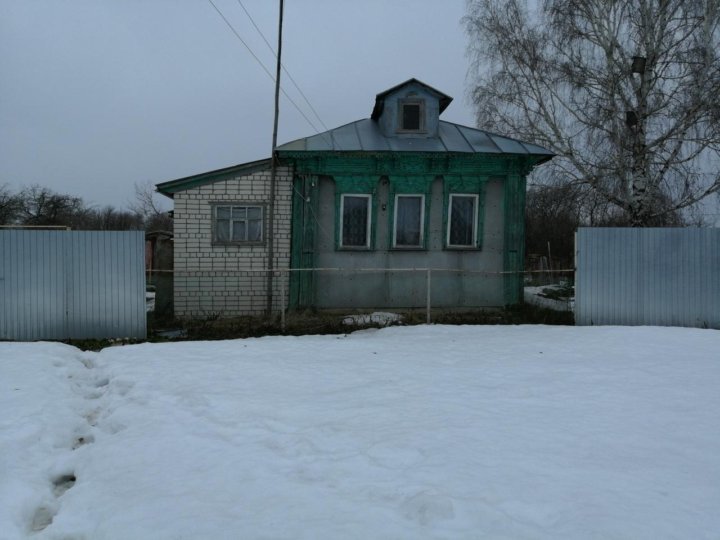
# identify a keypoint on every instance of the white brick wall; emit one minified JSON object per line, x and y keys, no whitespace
{"x":218,"y":279}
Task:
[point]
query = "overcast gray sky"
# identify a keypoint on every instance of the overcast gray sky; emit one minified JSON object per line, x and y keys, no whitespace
{"x":96,"y":95}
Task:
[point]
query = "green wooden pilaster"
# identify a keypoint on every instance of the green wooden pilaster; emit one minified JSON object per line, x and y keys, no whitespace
{"x":302,"y":249}
{"x":514,"y":237}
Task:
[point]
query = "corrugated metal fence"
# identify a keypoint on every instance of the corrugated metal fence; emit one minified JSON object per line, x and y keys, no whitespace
{"x":72,"y":284}
{"x":665,"y":277}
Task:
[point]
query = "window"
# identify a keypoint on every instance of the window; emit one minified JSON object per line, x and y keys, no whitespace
{"x":412,"y":115}
{"x":238,"y":223}
{"x":462,"y":221}
{"x":355,"y":215}
{"x":409,"y":221}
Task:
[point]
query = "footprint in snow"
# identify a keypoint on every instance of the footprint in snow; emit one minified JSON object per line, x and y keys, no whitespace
{"x":44,"y":514}
{"x":87,"y":362}
{"x":82,"y":441}
{"x":94,"y":395}
{"x":427,"y":506}
{"x":99,"y":387}
{"x":112,"y":427}
{"x":42,"y":517}
{"x":92,"y":416}
{"x":62,"y":483}
{"x":121,"y":387}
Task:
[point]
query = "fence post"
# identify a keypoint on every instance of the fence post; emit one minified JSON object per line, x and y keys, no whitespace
{"x":282,"y":302}
{"x":427,"y":304}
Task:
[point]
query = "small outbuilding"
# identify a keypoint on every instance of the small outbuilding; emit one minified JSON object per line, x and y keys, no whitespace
{"x":376,"y":199}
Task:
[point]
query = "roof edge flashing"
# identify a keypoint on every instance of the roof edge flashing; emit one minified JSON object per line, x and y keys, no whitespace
{"x":171,"y":187}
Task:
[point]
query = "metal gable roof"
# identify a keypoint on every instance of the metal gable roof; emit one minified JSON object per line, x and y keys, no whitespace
{"x":366,"y":136}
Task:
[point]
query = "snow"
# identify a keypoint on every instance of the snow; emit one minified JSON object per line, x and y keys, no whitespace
{"x":381,"y":318}
{"x":536,"y":297}
{"x":525,"y":432}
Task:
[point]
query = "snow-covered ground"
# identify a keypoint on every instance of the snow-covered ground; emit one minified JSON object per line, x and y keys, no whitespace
{"x":536,"y":297}
{"x":380,"y":318}
{"x":518,"y":432}
{"x":149,"y":301}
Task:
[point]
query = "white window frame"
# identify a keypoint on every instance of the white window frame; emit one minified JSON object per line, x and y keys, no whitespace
{"x":368,"y":225}
{"x":476,"y":204}
{"x":232,"y":205}
{"x":421,"y":244}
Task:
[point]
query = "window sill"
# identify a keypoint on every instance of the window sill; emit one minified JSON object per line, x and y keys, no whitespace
{"x":236,"y":244}
{"x":354,"y":248}
{"x":462,"y":248}
{"x":408,"y":248}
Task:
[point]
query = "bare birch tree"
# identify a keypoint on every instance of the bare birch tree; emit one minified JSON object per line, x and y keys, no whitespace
{"x":627,"y":93}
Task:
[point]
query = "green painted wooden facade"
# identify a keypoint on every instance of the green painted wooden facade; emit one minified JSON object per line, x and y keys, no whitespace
{"x":357,"y":172}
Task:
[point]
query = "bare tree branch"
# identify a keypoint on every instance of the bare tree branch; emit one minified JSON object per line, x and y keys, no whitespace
{"x":646,"y":140}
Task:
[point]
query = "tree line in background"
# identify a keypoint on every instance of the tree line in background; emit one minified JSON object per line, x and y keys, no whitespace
{"x":40,"y":206}
{"x":555,"y":210}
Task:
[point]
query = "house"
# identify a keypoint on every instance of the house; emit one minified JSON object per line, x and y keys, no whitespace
{"x":376,"y":198}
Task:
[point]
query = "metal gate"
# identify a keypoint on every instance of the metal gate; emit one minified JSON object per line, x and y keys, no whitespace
{"x":72,"y":285}
{"x":653,"y":276}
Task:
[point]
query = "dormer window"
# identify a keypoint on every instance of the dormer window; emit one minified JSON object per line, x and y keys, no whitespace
{"x":412,"y":115}
{"x":410,"y":110}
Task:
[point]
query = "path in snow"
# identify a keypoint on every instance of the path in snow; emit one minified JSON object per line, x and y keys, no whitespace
{"x":90,"y":388}
{"x":81,"y":386}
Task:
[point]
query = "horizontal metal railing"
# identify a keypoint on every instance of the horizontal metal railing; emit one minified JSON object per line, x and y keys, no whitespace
{"x":427,"y":271}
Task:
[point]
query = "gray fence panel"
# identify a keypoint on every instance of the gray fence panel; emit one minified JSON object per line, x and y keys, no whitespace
{"x":72,"y":284}
{"x":32,"y":274}
{"x":665,"y":277}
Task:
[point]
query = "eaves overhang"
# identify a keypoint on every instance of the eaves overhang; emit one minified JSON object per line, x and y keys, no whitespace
{"x":171,"y":187}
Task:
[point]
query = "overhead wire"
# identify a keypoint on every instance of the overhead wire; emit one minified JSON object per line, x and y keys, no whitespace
{"x":237,"y":35}
{"x":295,"y":84}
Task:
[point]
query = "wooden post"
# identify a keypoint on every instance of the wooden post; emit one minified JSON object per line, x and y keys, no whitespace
{"x":427,"y":305}
{"x":273,"y":173}
{"x":282,"y":300}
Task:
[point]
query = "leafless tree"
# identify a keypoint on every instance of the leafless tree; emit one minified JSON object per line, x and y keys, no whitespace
{"x":109,"y":218}
{"x":552,"y":214}
{"x":148,"y":207}
{"x":41,"y":206}
{"x":9,"y":206}
{"x":624,"y":92}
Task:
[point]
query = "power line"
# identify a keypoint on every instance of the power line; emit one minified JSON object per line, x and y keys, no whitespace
{"x":265,"y":69}
{"x":283,"y":66}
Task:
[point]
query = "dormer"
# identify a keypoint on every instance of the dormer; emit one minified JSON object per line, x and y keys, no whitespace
{"x":410,"y":110}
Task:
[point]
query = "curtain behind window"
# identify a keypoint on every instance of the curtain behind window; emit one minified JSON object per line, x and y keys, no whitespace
{"x":408,"y":221}
{"x":462,"y":214}
{"x":355,"y":221}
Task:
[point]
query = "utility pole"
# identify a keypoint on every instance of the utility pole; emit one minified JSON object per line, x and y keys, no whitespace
{"x":273,"y":174}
